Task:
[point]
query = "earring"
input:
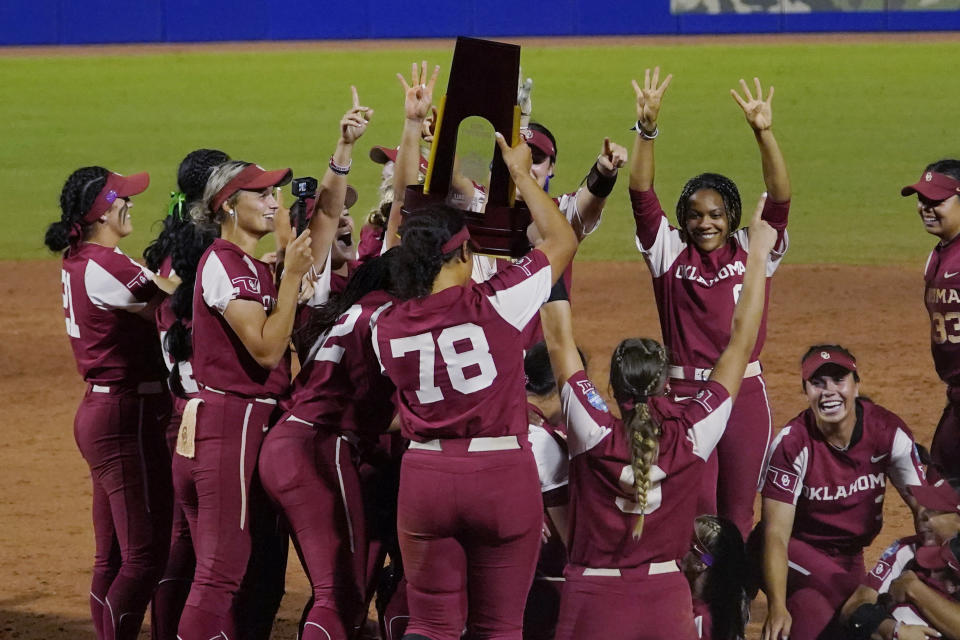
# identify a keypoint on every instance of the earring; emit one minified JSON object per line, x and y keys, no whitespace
{"x":232,"y":213}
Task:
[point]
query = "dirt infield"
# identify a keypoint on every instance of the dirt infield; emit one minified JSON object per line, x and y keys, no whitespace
{"x":47,"y":545}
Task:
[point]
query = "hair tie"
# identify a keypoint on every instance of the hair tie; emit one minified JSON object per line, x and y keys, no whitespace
{"x":629,"y":405}
{"x":177,"y":200}
{"x":75,"y":235}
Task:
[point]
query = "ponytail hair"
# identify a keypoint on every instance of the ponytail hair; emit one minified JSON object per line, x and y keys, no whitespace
{"x":200,"y":210}
{"x":76,"y":197}
{"x":372,"y":275}
{"x":721,"y":184}
{"x":638,"y":370}
{"x":724,"y":589}
{"x":420,"y":256}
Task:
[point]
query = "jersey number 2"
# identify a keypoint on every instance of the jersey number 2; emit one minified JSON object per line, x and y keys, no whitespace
{"x":477,"y":356}
{"x":654,"y":493}
{"x":73,"y":329}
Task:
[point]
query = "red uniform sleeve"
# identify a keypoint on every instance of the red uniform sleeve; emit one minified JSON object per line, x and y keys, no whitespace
{"x":647,"y":214}
{"x":775,"y":213}
{"x":698,"y":422}
{"x":588,"y":420}
{"x":786,"y":469}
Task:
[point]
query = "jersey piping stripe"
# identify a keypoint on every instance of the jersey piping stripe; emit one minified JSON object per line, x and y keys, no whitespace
{"x":796,"y":567}
{"x":766,"y":450}
{"x":143,"y":456}
{"x":343,"y":495}
{"x":243,"y":459}
{"x":314,"y":624}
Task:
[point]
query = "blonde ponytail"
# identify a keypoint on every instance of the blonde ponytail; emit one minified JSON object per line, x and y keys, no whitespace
{"x":644,"y":438}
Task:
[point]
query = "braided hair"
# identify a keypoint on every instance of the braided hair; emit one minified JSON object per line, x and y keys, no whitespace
{"x":419,"y":260}
{"x":721,"y":184}
{"x":187,"y":244}
{"x":638,"y":370}
{"x":724,"y":590}
{"x":76,"y":198}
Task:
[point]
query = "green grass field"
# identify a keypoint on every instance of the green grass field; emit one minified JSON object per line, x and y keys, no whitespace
{"x":855,"y":121}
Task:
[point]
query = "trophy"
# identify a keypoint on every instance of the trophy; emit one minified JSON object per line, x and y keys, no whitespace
{"x":482,"y":90}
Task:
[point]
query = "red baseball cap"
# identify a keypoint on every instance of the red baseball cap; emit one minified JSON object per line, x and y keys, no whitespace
{"x":383,"y":155}
{"x":939,"y":496}
{"x":539,"y":140}
{"x":252,"y":178}
{"x":116,"y":186}
{"x":940,"y":557}
{"x":825,"y":356}
{"x":933,"y":186}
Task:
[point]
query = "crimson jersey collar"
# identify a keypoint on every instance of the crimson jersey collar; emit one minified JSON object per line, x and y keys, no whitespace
{"x":855,"y":438}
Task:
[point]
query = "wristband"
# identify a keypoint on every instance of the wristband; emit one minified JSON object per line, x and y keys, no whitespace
{"x":865,"y":619}
{"x":642,"y":132}
{"x":559,"y":292}
{"x":339,"y":169}
{"x":599,"y":184}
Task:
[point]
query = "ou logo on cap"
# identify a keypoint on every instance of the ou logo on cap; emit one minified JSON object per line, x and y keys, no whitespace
{"x":928,"y":177}
{"x":824,"y":355}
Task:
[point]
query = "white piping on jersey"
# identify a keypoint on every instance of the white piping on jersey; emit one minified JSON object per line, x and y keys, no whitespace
{"x":94,"y":596}
{"x":314,"y":624}
{"x":106,"y":292}
{"x":519,"y":303}
{"x":389,"y":626}
{"x":243,"y":462}
{"x":902,"y":469}
{"x":766,"y":450}
{"x":112,"y":621}
{"x":583,"y":433}
{"x":343,"y":494}
{"x":706,"y":434}
{"x":798,"y":568}
{"x":373,"y":330}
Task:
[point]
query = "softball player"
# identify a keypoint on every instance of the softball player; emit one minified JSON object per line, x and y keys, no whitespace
{"x":633,"y":482}
{"x":241,"y":332}
{"x":109,"y":302}
{"x":469,"y":509}
{"x":823,"y":495}
{"x":178,"y":240}
{"x":938,"y":203}
{"x":697,"y":272}
{"x":715,"y":567}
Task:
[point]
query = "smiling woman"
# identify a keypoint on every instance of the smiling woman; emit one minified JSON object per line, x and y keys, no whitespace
{"x":823,"y":495}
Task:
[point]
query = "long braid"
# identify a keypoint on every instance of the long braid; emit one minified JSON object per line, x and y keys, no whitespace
{"x":721,"y":184}
{"x":637,"y":372}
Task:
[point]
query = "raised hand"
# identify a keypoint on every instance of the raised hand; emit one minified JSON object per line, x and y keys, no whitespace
{"x":518,"y":158}
{"x":611,"y":158}
{"x":298,"y":257}
{"x":649,"y":97}
{"x":418,"y":94}
{"x":755,"y":108}
{"x":354,"y":122}
{"x":762,"y":236}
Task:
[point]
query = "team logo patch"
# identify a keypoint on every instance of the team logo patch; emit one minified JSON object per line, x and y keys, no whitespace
{"x":138,"y":280}
{"x":110,"y":196}
{"x":590,"y":393}
{"x":824,"y":355}
{"x":783,"y":479}
{"x":881,"y":570}
{"x":524,"y":264}
{"x":928,"y":177}
{"x":705,"y":399}
{"x":248,"y":283}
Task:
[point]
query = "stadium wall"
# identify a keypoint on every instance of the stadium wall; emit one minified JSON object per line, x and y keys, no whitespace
{"x":45,"y":22}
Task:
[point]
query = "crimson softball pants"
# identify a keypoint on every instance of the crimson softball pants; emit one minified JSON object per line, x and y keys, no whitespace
{"x":312,"y":476}
{"x":945,"y":448}
{"x":121,"y":436}
{"x":627,"y":607}
{"x":468,"y":523}
{"x":734,"y":471}
{"x":818,"y":584}
{"x":219,"y":500}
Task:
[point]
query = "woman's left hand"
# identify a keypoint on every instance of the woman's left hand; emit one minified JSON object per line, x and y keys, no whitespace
{"x":898,"y":588}
{"x":354,"y":122}
{"x":757,"y":110}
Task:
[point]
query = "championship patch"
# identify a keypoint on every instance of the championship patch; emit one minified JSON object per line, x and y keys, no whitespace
{"x":783,"y":479}
{"x":706,"y":399}
{"x":881,"y":570}
{"x":246,"y":283}
{"x":590,"y":393}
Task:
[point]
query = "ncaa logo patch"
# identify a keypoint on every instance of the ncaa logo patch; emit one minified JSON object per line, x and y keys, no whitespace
{"x":783,"y":479}
{"x":590,"y":393}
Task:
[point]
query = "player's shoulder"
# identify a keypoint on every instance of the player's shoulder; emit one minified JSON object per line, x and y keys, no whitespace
{"x":796,"y":433}
{"x":880,"y":420}
{"x":693,"y":409}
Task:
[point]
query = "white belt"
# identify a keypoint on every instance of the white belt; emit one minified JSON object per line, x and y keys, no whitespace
{"x":702,"y":375}
{"x":498,"y":443}
{"x":653,"y":569}
{"x":224,"y":393}
{"x":144,"y":388}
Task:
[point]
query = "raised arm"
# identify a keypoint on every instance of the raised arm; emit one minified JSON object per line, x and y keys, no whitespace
{"x":333,"y":186}
{"x":557,"y":322}
{"x":759,"y":116}
{"x":417,"y":103}
{"x":649,"y":97}
{"x":559,"y":241}
{"x":749,"y":310}
{"x":600,"y":182}
{"x":777,"y":526}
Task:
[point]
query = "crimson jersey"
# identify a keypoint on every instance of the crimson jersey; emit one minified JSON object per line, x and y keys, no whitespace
{"x":839,"y":494}
{"x":220,"y":360}
{"x":103,"y":290}
{"x":893,"y":561}
{"x":340,"y":386}
{"x":456,"y":356}
{"x":696,"y":292}
{"x":942,"y":297}
{"x":603,"y":509}
{"x":165,"y":319}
